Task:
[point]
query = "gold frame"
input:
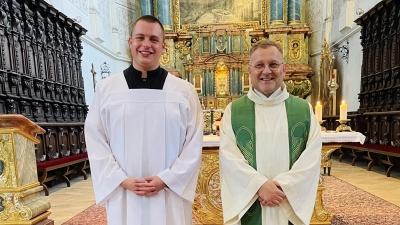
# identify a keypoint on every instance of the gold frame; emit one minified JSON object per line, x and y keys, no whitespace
{"x":256,"y":25}
{"x":246,"y":88}
{"x":198,"y":83}
{"x":221,"y":80}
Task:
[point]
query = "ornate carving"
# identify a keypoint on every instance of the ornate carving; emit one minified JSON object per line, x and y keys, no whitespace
{"x":320,"y":215}
{"x":13,"y":209}
{"x":176,"y":15}
{"x":165,"y":59}
{"x":124,"y":17}
{"x":222,"y":103}
{"x":295,"y":49}
{"x":221,"y":82}
{"x":8,"y":177}
{"x":207,"y":122}
{"x":280,"y":40}
{"x":207,"y":207}
{"x":82,"y":4}
{"x":183,"y":47}
{"x":299,"y":88}
{"x":104,"y":7}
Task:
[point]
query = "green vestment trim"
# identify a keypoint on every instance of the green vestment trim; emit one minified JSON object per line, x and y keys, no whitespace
{"x":243,"y":125}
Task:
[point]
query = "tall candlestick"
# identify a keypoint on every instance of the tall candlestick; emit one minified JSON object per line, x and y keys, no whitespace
{"x":318,"y":111}
{"x":343,"y":111}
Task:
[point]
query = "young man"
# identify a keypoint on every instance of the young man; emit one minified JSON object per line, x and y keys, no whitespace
{"x":270,"y":148}
{"x":144,"y":135}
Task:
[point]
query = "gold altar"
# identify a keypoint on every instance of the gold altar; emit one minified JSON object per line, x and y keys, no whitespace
{"x":207,"y":206}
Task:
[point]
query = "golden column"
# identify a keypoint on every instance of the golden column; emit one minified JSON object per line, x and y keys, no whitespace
{"x":20,"y":202}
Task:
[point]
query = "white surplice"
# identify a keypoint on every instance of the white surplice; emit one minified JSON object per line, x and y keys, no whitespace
{"x":140,"y":133}
{"x":240,"y":182}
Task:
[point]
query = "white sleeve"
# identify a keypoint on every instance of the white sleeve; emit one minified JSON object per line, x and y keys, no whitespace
{"x":182,"y":176}
{"x":107,"y":174}
{"x":300,"y":183}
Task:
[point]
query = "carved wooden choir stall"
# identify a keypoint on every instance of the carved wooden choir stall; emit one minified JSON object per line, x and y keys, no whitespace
{"x":378,"y":116}
{"x":41,"y":78}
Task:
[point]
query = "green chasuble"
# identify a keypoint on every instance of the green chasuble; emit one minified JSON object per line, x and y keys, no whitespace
{"x":243,"y":124}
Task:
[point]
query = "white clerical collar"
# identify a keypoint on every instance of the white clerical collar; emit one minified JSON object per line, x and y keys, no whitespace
{"x":273,"y":95}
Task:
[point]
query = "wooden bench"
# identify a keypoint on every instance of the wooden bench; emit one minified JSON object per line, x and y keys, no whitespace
{"x":61,"y":168}
{"x":374,"y":153}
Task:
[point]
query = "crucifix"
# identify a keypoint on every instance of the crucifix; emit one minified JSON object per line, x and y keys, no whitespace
{"x":94,"y":77}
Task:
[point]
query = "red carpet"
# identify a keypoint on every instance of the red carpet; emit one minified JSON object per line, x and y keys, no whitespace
{"x":349,"y":205}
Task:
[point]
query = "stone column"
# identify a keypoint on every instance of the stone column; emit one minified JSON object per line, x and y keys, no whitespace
{"x":146,"y":7}
{"x":231,"y":80}
{"x":276,"y":12}
{"x":190,"y":76}
{"x":229,"y":46}
{"x":205,"y":83}
{"x":212,"y":46}
{"x":164,"y":13}
{"x":294,"y":12}
{"x":20,"y":202}
{"x":212,"y":82}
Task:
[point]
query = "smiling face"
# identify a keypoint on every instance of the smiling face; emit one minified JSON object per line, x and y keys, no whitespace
{"x":266,"y":81}
{"x":147,"y":45}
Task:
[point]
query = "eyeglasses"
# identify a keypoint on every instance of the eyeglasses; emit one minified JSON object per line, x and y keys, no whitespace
{"x":272,"y":66}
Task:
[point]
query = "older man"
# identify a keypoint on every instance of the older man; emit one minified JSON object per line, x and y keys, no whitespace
{"x":270,"y":148}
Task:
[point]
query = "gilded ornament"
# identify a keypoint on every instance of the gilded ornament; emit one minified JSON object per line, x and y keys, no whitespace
{"x":295,"y":49}
{"x":165,"y":59}
{"x":13,"y":209}
{"x":220,"y":43}
{"x":8,"y":177}
{"x":221,"y":79}
{"x":320,"y":215}
{"x":299,"y":88}
{"x":263,"y":14}
{"x":246,"y":45}
{"x":220,"y":32}
{"x":279,"y":40}
{"x":207,"y":206}
{"x":207,"y":121}
{"x":176,"y":15}
{"x":217,"y":114}
{"x":196,"y":46}
{"x":183,"y":47}
{"x":222,"y":103}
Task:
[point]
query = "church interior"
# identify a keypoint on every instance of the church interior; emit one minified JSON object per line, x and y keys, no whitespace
{"x":343,"y":57}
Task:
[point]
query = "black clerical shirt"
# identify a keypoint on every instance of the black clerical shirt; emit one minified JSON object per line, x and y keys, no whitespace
{"x":155,"y":78}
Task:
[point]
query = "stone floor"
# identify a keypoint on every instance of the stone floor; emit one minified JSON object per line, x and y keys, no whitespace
{"x":69,"y":201}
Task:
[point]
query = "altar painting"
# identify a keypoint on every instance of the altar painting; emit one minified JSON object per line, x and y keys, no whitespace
{"x":214,"y":11}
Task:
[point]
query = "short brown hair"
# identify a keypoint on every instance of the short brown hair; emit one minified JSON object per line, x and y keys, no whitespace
{"x":265,"y":44}
{"x":149,"y":19}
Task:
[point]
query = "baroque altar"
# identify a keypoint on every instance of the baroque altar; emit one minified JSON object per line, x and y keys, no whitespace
{"x":208,"y":43}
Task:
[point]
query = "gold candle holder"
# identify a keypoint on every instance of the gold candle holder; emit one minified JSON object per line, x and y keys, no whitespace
{"x":343,"y":126}
{"x":322,"y":127}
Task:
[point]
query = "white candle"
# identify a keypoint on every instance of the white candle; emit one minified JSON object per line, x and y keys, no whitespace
{"x":318,"y":111}
{"x":343,"y":111}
